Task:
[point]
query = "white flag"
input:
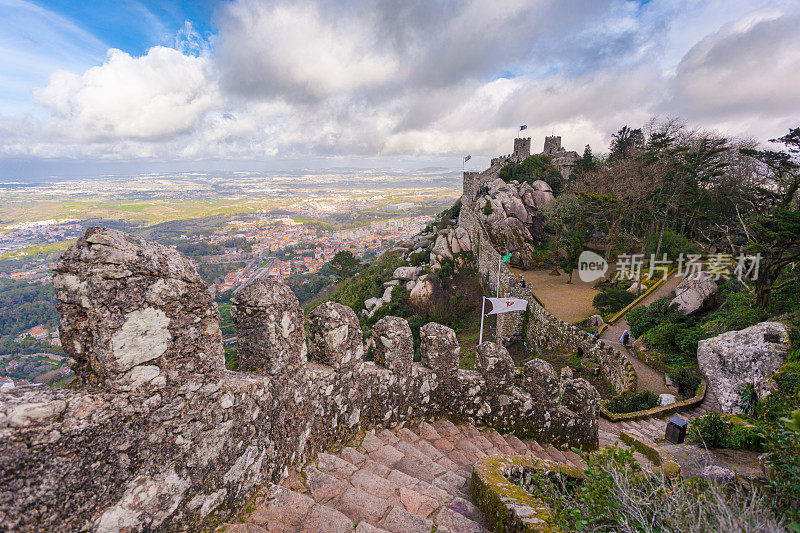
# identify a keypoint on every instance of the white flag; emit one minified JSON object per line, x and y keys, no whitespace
{"x":504,"y":305}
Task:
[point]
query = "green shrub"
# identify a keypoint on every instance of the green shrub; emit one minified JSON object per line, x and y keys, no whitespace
{"x":419,"y":257}
{"x":642,"y":319}
{"x":783,"y":455}
{"x":533,"y":168}
{"x":448,"y":268}
{"x":716,"y":431}
{"x":672,"y":244}
{"x":686,"y":382}
{"x":612,"y":300}
{"x":783,"y":400}
{"x":662,"y":337}
{"x":353,"y":291}
{"x":616,"y":496}
{"x":748,"y":398}
{"x":632,"y":402}
{"x":638,"y":321}
{"x":712,"y":430}
{"x":745,"y":438}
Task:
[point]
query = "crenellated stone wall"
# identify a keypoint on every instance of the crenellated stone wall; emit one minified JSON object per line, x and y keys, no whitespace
{"x":157,"y":435}
{"x":544,"y":331}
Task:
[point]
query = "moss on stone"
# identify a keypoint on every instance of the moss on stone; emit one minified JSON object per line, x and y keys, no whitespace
{"x":655,"y":454}
{"x":508,"y":506}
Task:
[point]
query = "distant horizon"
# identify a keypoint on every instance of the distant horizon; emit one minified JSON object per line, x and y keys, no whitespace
{"x":110,"y":87}
{"x":37,"y":171}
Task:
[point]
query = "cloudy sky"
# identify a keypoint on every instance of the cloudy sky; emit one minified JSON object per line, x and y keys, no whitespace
{"x":94,"y":86}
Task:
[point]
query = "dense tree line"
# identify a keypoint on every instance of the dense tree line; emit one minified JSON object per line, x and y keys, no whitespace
{"x":665,"y":188}
{"x":24,"y":305}
{"x":200,"y":248}
{"x":533,"y":168}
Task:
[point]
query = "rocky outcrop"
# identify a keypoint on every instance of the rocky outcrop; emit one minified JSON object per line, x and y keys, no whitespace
{"x":511,"y":214}
{"x":402,"y":274}
{"x":422,"y":291}
{"x":734,"y":359}
{"x":694,"y":293}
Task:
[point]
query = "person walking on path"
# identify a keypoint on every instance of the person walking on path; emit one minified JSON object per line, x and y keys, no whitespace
{"x":624,"y":338}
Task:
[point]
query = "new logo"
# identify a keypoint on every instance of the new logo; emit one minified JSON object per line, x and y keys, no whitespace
{"x":591,"y":266}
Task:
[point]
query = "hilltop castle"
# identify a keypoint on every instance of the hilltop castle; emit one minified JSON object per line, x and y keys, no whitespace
{"x":562,"y":159}
{"x":156,"y":434}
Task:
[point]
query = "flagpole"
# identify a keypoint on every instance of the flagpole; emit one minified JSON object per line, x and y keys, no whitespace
{"x":499,"y":265}
{"x":483,"y":309}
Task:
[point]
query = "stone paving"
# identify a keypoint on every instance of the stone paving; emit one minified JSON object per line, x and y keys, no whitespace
{"x":647,"y":377}
{"x":411,"y":478}
{"x":406,"y":480}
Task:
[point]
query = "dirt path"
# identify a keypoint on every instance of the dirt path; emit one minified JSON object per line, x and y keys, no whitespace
{"x":573,"y":302}
{"x":648,"y":378}
{"x":568,"y":301}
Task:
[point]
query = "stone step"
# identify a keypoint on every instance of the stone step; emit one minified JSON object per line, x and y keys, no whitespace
{"x":406,"y":479}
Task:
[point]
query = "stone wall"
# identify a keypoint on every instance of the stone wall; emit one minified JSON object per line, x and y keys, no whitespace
{"x":544,"y":331}
{"x":522,"y":148}
{"x":157,"y":435}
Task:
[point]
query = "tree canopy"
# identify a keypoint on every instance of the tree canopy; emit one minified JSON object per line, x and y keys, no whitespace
{"x":533,"y":168}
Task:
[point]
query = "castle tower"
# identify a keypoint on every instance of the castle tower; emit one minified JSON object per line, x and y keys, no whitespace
{"x":552,"y":144}
{"x":522,"y":148}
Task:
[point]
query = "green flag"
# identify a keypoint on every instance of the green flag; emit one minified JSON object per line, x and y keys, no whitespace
{"x":506,"y":258}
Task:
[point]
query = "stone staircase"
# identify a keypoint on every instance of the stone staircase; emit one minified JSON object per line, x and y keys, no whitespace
{"x":411,"y":478}
{"x":654,"y":428}
{"x":404,"y":480}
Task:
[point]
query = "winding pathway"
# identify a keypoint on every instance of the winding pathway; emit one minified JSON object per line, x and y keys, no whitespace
{"x":647,"y":378}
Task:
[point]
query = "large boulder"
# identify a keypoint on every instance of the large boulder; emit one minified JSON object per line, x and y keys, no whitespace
{"x":406,"y":273}
{"x":441,"y":250}
{"x":542,"y":194}
{"x":462,"y":238}
{"x":514,"y":207}
{"x":371,"y":303}
{"x":422,"y":292}
{"x":695,"y":293}
{"x":498,"y":186}
{"x":732,"y":360}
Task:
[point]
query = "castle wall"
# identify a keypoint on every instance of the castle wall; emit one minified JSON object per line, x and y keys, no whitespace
{"x":544,"y":331}
{"x":522,"y":148}
{"x":157,"y":435}
{"x":552,"y":144}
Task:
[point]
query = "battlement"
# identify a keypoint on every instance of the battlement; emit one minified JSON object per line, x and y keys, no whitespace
{"x":522,"y":148}
{"x":156,"y":434}
{"x":552,"y":144}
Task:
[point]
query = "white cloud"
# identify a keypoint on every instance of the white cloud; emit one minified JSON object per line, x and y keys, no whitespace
{"x":358,"y":79}
{"x":751,"y":67}
{"x":293,"y":48}
{"x":161,"y":94}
